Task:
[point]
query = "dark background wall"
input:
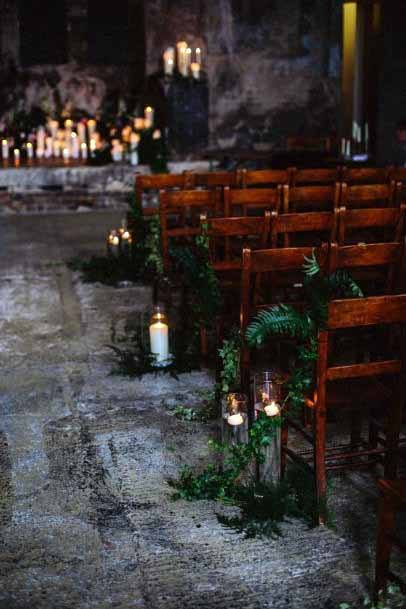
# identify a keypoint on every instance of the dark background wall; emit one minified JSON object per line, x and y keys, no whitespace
{"x":273,"y":66}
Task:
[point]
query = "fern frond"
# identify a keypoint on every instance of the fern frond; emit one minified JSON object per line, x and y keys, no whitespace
{"x":342,"y":285}
{"x":311,"y":266}
{"x":282,"y":320}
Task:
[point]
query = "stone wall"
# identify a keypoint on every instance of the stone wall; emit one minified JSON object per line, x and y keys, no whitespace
{"x":273,"y":67}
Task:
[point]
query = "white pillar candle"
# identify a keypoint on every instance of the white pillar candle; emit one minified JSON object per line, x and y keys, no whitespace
{"x":75,"y":145}
{"x":91,"y":127}
{"x":83,"y":151}
{"x":134,"y":159}
{"x":139,"y":124}
{"x":40,"y":142}
{"x":4,"y":149}
{"x":92,"y":146}
{"x":195,"y":69}
{"x":66,"y":155}
{"x":49,"y":147}
{"x":181,"y":51}
{"x":158,"y":333}
{"x":53,"y":127}
{"x":198,"y":54}
{"x":30,"y":151}
{"x":188,"y":59}
{"x":235,"y":419}
{"x":148,"y":117}
{"x":169,"y":61}
{"x":16,"y":157}
{"x":81,"y":130}
{"x":57,"y":149}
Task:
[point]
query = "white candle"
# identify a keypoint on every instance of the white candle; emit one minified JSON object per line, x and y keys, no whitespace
{"x":139,"y":124}
{"x":81,"y":132}
{"x":116,"y":151}
{"x":272,"y":409}
{"x":195,"y":68}
{"x":53,"y":127}
{"x":75,"y":145}
{"x":66,"y":155}
{"x":158,"y":333}
{"x":49,"y":147}
{"x":348,"y":149}
{"x":169,"y":61}
{"x":16,"y":157}
{"x":91,"y":127}
{"x":40,"y":142}
{"x":148,"y":117}
{"x":57,"y":149}
{"x":199,"y":56}
{"x":92,"y":146}
{"x":157,"y":134}
{"x":188,"y":59}
{"x":4,"y":149}
{"x":235,"y":419}
{"x":30,"y":151}
{"x":83,"y":151}
{"x":181,"y":50}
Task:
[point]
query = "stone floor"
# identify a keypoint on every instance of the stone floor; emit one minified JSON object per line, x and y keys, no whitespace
{"x":86,"y":520}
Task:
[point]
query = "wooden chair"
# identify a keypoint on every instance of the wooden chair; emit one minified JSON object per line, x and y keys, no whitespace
{"x":358,"y":384}
{"x":355,"y":225}
{"x":311,"y":198}
{"x":397,"y":174}
{"x":304,"y":142}
{"x":392,"y":500}
{"x":213,"y":179}
{"x":157,"y":182}
{"x":319,"y":177}
{"x":365,"y":175}
{"x":272,"y":262}
{"x":312,"y":228}
{"x":180,"y":212}
{"x":368,"y":195}
{"x":262,"y":177}
{"x":244,"y":201}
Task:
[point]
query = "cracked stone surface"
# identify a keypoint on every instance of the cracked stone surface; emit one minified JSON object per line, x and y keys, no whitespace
{"x":86,"y":519}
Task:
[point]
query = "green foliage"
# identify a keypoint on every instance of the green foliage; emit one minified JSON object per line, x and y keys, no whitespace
{"x":106,"y":269}
{"x":152,"y":246}
{"x":200,"y":278}
{"x":391,"y":598}
{"x":283,"y":320}
{"x":203,"y":415}
{"x":230,"y":355}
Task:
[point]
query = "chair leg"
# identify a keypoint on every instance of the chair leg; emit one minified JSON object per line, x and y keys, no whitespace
{"x":320,"y":461}
{"x":392,"y":440}
{"x":386,"y":527}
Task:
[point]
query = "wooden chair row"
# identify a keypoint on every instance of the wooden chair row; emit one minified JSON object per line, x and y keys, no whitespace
{"x":264,"y":178}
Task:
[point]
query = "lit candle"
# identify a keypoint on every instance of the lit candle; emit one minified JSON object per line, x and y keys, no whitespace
{"x":199,"y":56}
{"x":49,"y":147}
{"x":139,"y":124}
{"x":75,"y":145}
{"x":91,"y":127}
{"x":30,"y":151}
{"x":53,"y":127}
{"x":57,"y":149}
{"x":40,"y":142}
{"x":83,"y":151}
{"x":188,"y":60}
{"x":81,"y":129}
{"x":4,"y":149}
{"x":159,"y":336}
{"x":66,"y":155}
{"x":235,"y":419}
{"x":272,"y":409}
{"x":113,"y":242}
{"x":157,"y":134}
{"x":148,"y":117}
{"x":92,"y":146}
{"x":169,"y":61}
{"x":195,"y":68}
{"x":126,"y":133}
{"x":116,"y":151}
{"x":16,"y":157}
{"x":134,"y":141}
{"x":348,"y":149}
{"x":181,"y":50}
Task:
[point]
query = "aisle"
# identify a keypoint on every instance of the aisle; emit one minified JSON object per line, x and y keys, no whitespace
{"x":86,"y":519}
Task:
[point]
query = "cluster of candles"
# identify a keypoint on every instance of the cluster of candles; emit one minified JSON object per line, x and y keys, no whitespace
{"x":187,"y":61}
{"x":78,"y":141}
{"x":119,"y":240}
{"x":358,"y":143}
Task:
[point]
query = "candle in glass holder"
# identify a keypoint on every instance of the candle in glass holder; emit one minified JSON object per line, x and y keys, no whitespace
{"x":272,"y":409}
{"x":113,"y":243}
{"x":169,"y":61}
{"x":195,"y":69}
{"x":148,"y":117}
{"x":4,"y":149}
{"x":159,"y":335}
{"x":16,"y":157}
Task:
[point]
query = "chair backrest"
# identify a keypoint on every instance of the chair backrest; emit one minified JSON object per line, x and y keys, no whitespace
{"x":242,"y":201}
{"x":311,"y":198}
{"x":262,"y":177}
{"x":215,"y":178}
{"x":368,"y":195}
{"x":308,"y":177}
{"x":398,"y":174}
{"x":305,"y":142}
{"x":365,"y":175}
{"x":157,"y":182}
{"x":391,"y":219}
{"x":355,"y":313}
{"x":313,"y":227}
{"x":180,"y":212}
{"x":228,"y":237}
{"x":272,"y":261}
{"x":388,"y":257}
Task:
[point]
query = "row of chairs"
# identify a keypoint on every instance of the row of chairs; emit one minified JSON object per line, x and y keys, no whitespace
{"x":244,"y":178}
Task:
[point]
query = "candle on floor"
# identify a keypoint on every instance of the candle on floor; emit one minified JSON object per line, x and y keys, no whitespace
{"x":272,"y":409}
{"x":148,"y":117}
{"x":235,"y":422}
{"x":188,"y":59}
{"x":169,"y":61}
{"x":159,"y":335}
{"x":40,"y":142}
{"x":113,"y":243}
{"x":4,"y":149}
{"x":16,"y":157}
{"x":195,"y":69}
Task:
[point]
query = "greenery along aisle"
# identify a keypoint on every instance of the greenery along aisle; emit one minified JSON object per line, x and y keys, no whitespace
{"x":261,"y":503}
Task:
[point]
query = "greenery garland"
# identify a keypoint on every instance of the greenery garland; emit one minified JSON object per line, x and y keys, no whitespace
{"x":391,"y":598}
